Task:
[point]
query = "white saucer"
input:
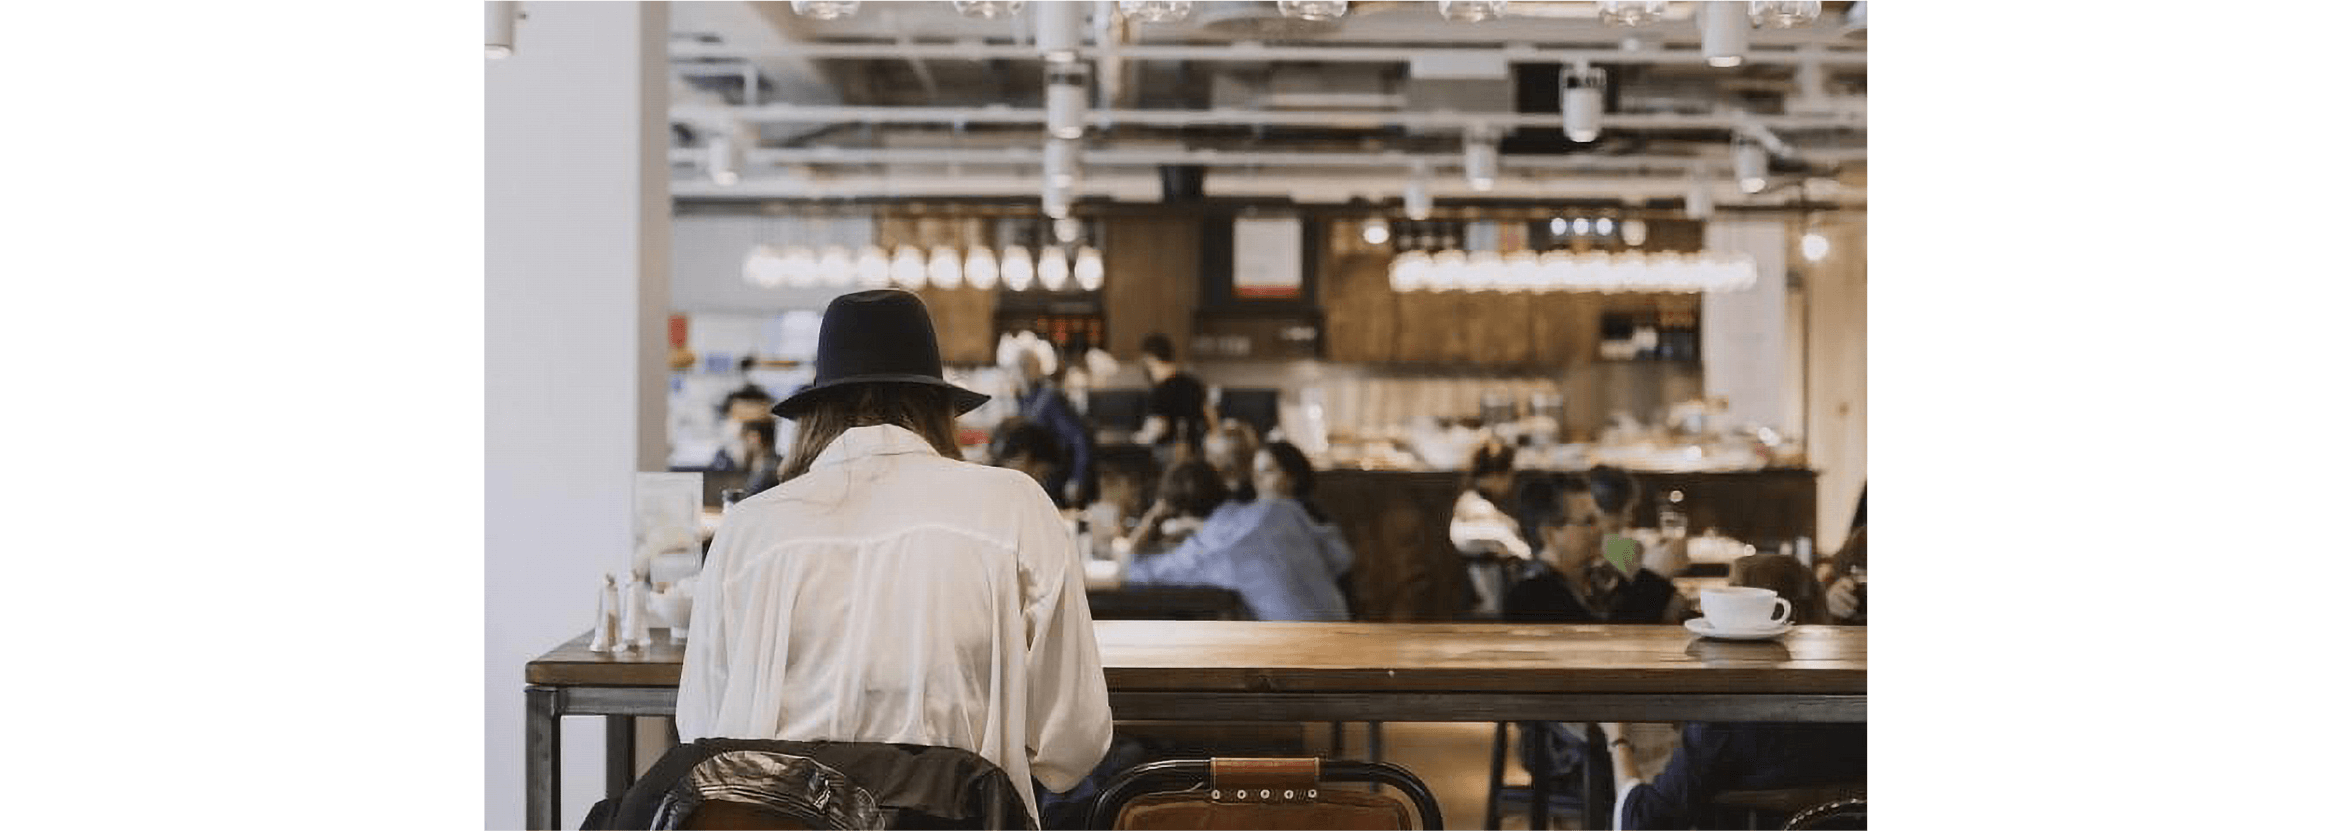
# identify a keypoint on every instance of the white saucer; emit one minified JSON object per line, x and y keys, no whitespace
{"x":1700,"y":626}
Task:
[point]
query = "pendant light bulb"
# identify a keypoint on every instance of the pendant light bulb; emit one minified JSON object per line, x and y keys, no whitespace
{"x":873,"y":268}
{"x":1088,"y":270}
{"x":1635,"y":232}
{"x":1699,"y":202}
{"x":1019,"y":271}
{"x":1481,"y":161}
{"x":1052,"y":268}
{"x":835,"y":267}
{"x":907,"y":270}
{"x":1417,"y":202}
{"x":946,"y":270}
{"x":979,"y":268}
{"x":1375,"y":231}
{"x":1816,"y":246}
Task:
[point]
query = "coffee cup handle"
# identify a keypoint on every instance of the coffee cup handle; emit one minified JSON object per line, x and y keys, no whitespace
{"x":1782,"y":610}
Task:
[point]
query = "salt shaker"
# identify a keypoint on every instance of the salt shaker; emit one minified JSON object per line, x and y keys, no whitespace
{"x":607,"y":611}
{"x":634,"y":628}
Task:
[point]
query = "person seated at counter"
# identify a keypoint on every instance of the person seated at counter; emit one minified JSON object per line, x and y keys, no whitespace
{"x":1188,"y":493}
{"x":1041,"y":402}
{"x":744,"y":405}
{"x":1846,"y":576}
{"x":1483,"y":530}
{"x":889,"y":592}
{"x":1717,"y":757}
{"x":1028,"y":447}
{"x":1231,"y":448}
{"x":1571,"y":581}
{"x":1283,"y":563}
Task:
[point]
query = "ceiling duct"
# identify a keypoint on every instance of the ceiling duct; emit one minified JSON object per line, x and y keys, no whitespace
{"x":1257,"y":20}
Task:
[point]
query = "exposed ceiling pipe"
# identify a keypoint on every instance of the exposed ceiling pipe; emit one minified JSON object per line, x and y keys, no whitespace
{"x":1853,"y":117}
{"x":1254,"y":52}
{"x":1144,"y":187}
{"x":1152,"y":157}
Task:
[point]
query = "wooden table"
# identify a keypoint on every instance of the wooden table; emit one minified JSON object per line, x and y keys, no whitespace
{"x":1320,"y":672}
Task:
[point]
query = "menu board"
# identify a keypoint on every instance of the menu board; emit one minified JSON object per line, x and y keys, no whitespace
{"x":1268,"y":258}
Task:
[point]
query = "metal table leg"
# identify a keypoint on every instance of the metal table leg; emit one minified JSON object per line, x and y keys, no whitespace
{"x":542,"y":749}
{"x":620,"y":755}
{"x":1599,"y":795}
{"x":1494,"y":777}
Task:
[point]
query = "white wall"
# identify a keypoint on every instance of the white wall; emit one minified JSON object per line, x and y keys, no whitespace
{"x":577,"y":256}
{"x":1744,"y":337}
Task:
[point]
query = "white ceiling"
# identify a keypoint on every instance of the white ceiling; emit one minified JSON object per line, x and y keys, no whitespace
{"x":912,"y":99}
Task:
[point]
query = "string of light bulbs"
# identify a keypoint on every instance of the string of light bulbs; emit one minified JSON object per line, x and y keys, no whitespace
{"x":1557,"y":271}
{"x":1053,"y":268}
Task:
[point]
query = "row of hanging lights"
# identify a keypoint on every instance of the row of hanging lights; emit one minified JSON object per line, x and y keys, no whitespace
{"x":1778,"y":14}
{"x":1053,"y":268}
{"x":1555,"y":271}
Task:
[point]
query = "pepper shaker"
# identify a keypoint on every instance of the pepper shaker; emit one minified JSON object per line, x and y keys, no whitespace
{"x":607,"y":609}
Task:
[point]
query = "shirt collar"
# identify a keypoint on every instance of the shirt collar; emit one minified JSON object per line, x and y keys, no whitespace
{"x":871,"y":440}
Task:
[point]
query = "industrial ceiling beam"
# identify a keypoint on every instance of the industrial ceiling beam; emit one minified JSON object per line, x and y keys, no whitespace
{"x":1852,"y":115}
{"x":1254,"y":52}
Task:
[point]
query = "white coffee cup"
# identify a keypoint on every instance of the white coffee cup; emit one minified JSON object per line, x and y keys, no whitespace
{"x":1736,"y":608}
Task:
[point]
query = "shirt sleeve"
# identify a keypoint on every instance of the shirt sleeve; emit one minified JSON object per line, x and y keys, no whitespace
{"x":702,"y":681}
{"x":1068,"y":701}
{"x":1672,"y":800}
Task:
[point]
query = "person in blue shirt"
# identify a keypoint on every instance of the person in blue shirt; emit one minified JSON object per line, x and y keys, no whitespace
{"x":1042,"y":402}
{"x":1271,"y":550}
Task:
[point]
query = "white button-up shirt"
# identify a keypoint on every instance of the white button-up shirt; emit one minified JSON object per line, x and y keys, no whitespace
{"x":893,"y":595}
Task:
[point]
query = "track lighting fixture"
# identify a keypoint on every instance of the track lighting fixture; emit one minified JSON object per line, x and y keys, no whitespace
{"x":1722,"y":33}
{"x":499,"y":41}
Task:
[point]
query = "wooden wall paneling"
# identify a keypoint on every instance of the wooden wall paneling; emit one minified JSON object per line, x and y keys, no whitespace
{"x":1151,"y":281}
{"x":1359,"y":310}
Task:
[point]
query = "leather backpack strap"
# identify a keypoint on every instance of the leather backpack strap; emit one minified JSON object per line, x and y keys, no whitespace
{"x":1264,"y":780}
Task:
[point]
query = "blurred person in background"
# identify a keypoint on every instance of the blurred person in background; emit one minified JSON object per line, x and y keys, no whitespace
{"x":1231,"y":448}
{"x":1041,"y":402}
{"x":1570,"y":581}
{"x":1028,"y":447}
{"x":1124,"y":475}
{"x":746,"y":404}
{"x":1847,"y":577}
{"x":1483,"y":530}
{"x":1570,"y":518}
{"x":1283,"y":562}
{"x":763,"y":466}
{"x":1739,"y":756}
{"x":1188,"y":493}
{"x":889,"y":593}
{"x":1176,"y":416}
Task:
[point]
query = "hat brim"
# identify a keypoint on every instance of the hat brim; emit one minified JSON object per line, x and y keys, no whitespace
{"x":792,"y":407}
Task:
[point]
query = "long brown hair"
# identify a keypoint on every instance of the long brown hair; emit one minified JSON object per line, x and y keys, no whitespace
{"x":922,"y":409}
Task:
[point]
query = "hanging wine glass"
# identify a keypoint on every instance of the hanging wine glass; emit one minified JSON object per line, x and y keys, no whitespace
{"x":1313,"y":10}
{"x":1471,"y":11}
{"x":1156,"y":11}
{"x":1783,"y":14}
{"x":824,"y":9}
{"x":989,"y":9}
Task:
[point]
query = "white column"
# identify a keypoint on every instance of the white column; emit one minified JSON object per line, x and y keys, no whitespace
{"x":577,"y":248}
{"x":1744,"y":334}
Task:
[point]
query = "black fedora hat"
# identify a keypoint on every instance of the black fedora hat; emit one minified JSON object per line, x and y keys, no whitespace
{"x":883,"y":336}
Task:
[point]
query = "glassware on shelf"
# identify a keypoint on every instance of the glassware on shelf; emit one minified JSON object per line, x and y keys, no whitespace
{"x":1314,"y":10}
{"x":824,"y":9}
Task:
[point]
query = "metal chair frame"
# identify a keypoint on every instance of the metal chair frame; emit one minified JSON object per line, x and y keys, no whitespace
{"x":1817,"y":814}
{"x":1152,"y":777}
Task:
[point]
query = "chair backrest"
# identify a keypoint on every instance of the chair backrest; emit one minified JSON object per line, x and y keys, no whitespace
{"x":757,"y":783}
{"x":1843,"y":813}
{"x":1274,"y":794}
{"x":764,"y":789}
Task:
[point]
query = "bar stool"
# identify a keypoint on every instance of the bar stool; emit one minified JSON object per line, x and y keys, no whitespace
{"x":1261,"y":793}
